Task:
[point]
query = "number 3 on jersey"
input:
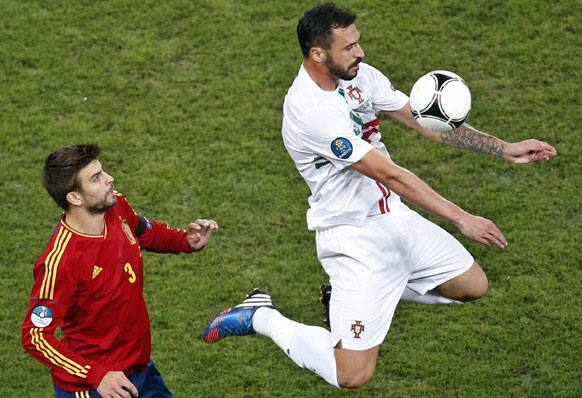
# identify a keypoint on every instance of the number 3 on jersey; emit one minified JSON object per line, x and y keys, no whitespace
{"x":127,"y":268}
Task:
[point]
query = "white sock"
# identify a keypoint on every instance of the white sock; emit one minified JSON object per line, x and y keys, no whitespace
{"x":308,"y":346}
{"x":261,"y":319}
{"x":428,"y":298}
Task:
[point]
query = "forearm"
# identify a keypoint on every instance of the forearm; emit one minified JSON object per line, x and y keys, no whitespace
{"x":377,"y":166}
{"x":163,"y":239}
{"x":468,"y":137}
{"x":66,"y":365}
{"x":464,"y":136}
{"x":419,"y":193}
{"x":400,"y":180}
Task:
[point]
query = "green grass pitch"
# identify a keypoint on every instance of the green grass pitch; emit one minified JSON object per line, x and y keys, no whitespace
{"x":185,"y":98}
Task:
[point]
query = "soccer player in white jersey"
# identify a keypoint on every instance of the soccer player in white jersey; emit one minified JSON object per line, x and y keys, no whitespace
{"x":375,"y":250}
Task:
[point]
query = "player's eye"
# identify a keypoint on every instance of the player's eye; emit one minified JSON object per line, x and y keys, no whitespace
{"x":351,"y":47}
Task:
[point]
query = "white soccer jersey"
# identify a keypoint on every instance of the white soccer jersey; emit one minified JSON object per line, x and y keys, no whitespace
{"x":327,"y":131}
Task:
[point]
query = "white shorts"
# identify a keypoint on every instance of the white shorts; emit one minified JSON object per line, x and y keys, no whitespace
{"x":370,"y":266}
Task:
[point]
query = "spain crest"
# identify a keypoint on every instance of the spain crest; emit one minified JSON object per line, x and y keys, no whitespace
{"x":127,"y":230}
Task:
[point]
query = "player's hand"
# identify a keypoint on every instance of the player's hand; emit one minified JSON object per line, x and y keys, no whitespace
{"x":199,"y":231}
{"x":116,"y":385}
{"x":529,"y":151}
{"x":481,"y":230}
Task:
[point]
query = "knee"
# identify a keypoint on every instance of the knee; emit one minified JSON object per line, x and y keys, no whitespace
{"x":354,"y":379}
{"x":477,"y":289}
{"x":355,"y":368}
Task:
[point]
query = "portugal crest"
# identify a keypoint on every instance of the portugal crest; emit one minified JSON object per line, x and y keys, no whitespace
{"x":358,"y":328}
{"x":355,"y":94}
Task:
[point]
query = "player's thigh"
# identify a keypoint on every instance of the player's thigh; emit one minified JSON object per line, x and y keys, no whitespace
{"x":150,"y":383}
{"x":368,"y":276}
{"x":436,"y":257}
{"x":361,"y":311}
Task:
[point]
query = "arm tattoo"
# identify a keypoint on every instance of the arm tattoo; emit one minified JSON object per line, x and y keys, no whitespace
{"x":467,"y":137}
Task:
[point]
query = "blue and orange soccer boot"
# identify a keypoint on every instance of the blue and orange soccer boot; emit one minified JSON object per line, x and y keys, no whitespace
{"x":238,"y":320}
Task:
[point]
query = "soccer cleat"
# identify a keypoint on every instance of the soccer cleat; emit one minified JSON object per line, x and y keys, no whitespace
{"x":324,"y":299}
{"x":238,"y":320}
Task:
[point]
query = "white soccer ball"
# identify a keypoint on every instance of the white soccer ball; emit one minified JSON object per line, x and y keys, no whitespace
{"x":440,"y":101}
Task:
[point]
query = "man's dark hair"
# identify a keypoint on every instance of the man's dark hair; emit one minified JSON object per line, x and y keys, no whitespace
{"x":60,"y":174}
{"x":315,"y":27}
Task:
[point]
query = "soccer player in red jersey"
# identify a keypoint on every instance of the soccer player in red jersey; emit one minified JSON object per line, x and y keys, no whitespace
{"x":89,"y":282}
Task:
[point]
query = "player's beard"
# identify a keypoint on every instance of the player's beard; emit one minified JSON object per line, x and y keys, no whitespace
{"x":102,"y":206}
{"x":340,"y":72}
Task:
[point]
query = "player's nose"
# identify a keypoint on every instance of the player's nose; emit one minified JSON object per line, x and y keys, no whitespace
{"x":110,"y":178}
{"x":359,"y":52}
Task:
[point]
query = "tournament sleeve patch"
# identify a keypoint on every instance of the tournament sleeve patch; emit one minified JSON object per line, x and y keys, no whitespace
{"x":142,"y":224}
{"x":342,"y":147}
{"x":41,"y":316}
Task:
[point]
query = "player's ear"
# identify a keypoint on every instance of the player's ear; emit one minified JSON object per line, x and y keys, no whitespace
{"x":317,"y":54}
{"x":74,"y":198}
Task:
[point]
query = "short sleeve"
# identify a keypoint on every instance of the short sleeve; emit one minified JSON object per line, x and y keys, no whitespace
{"x":329,"y":134}
{"x":385,"y":97}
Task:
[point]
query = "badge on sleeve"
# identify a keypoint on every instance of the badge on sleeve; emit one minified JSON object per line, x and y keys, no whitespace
{"x":41,"y":316}
{"x":342,"y":147}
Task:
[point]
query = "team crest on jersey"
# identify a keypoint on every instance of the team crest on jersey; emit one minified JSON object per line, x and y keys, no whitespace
{"x":358,"y":101}
{"x":342,"y":147}
{"x":358,"y":328}
{"x":41,"y":316}
{"x":355,"y":93}
{"x":127,"y":230}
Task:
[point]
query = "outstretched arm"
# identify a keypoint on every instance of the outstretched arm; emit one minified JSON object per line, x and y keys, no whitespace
{"x":525,"y":151}
{"x":158,"y":237}
{"x":379,"y":167}
{"x":467,"y":137}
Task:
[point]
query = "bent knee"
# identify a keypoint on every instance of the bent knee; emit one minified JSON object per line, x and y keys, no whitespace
{"x":355,"y":368}
{"x":476,"y":290}
{"x":355,"y":379}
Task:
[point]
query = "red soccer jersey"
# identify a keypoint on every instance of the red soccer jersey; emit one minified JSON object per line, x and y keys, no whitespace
{"x":91,"y":286}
